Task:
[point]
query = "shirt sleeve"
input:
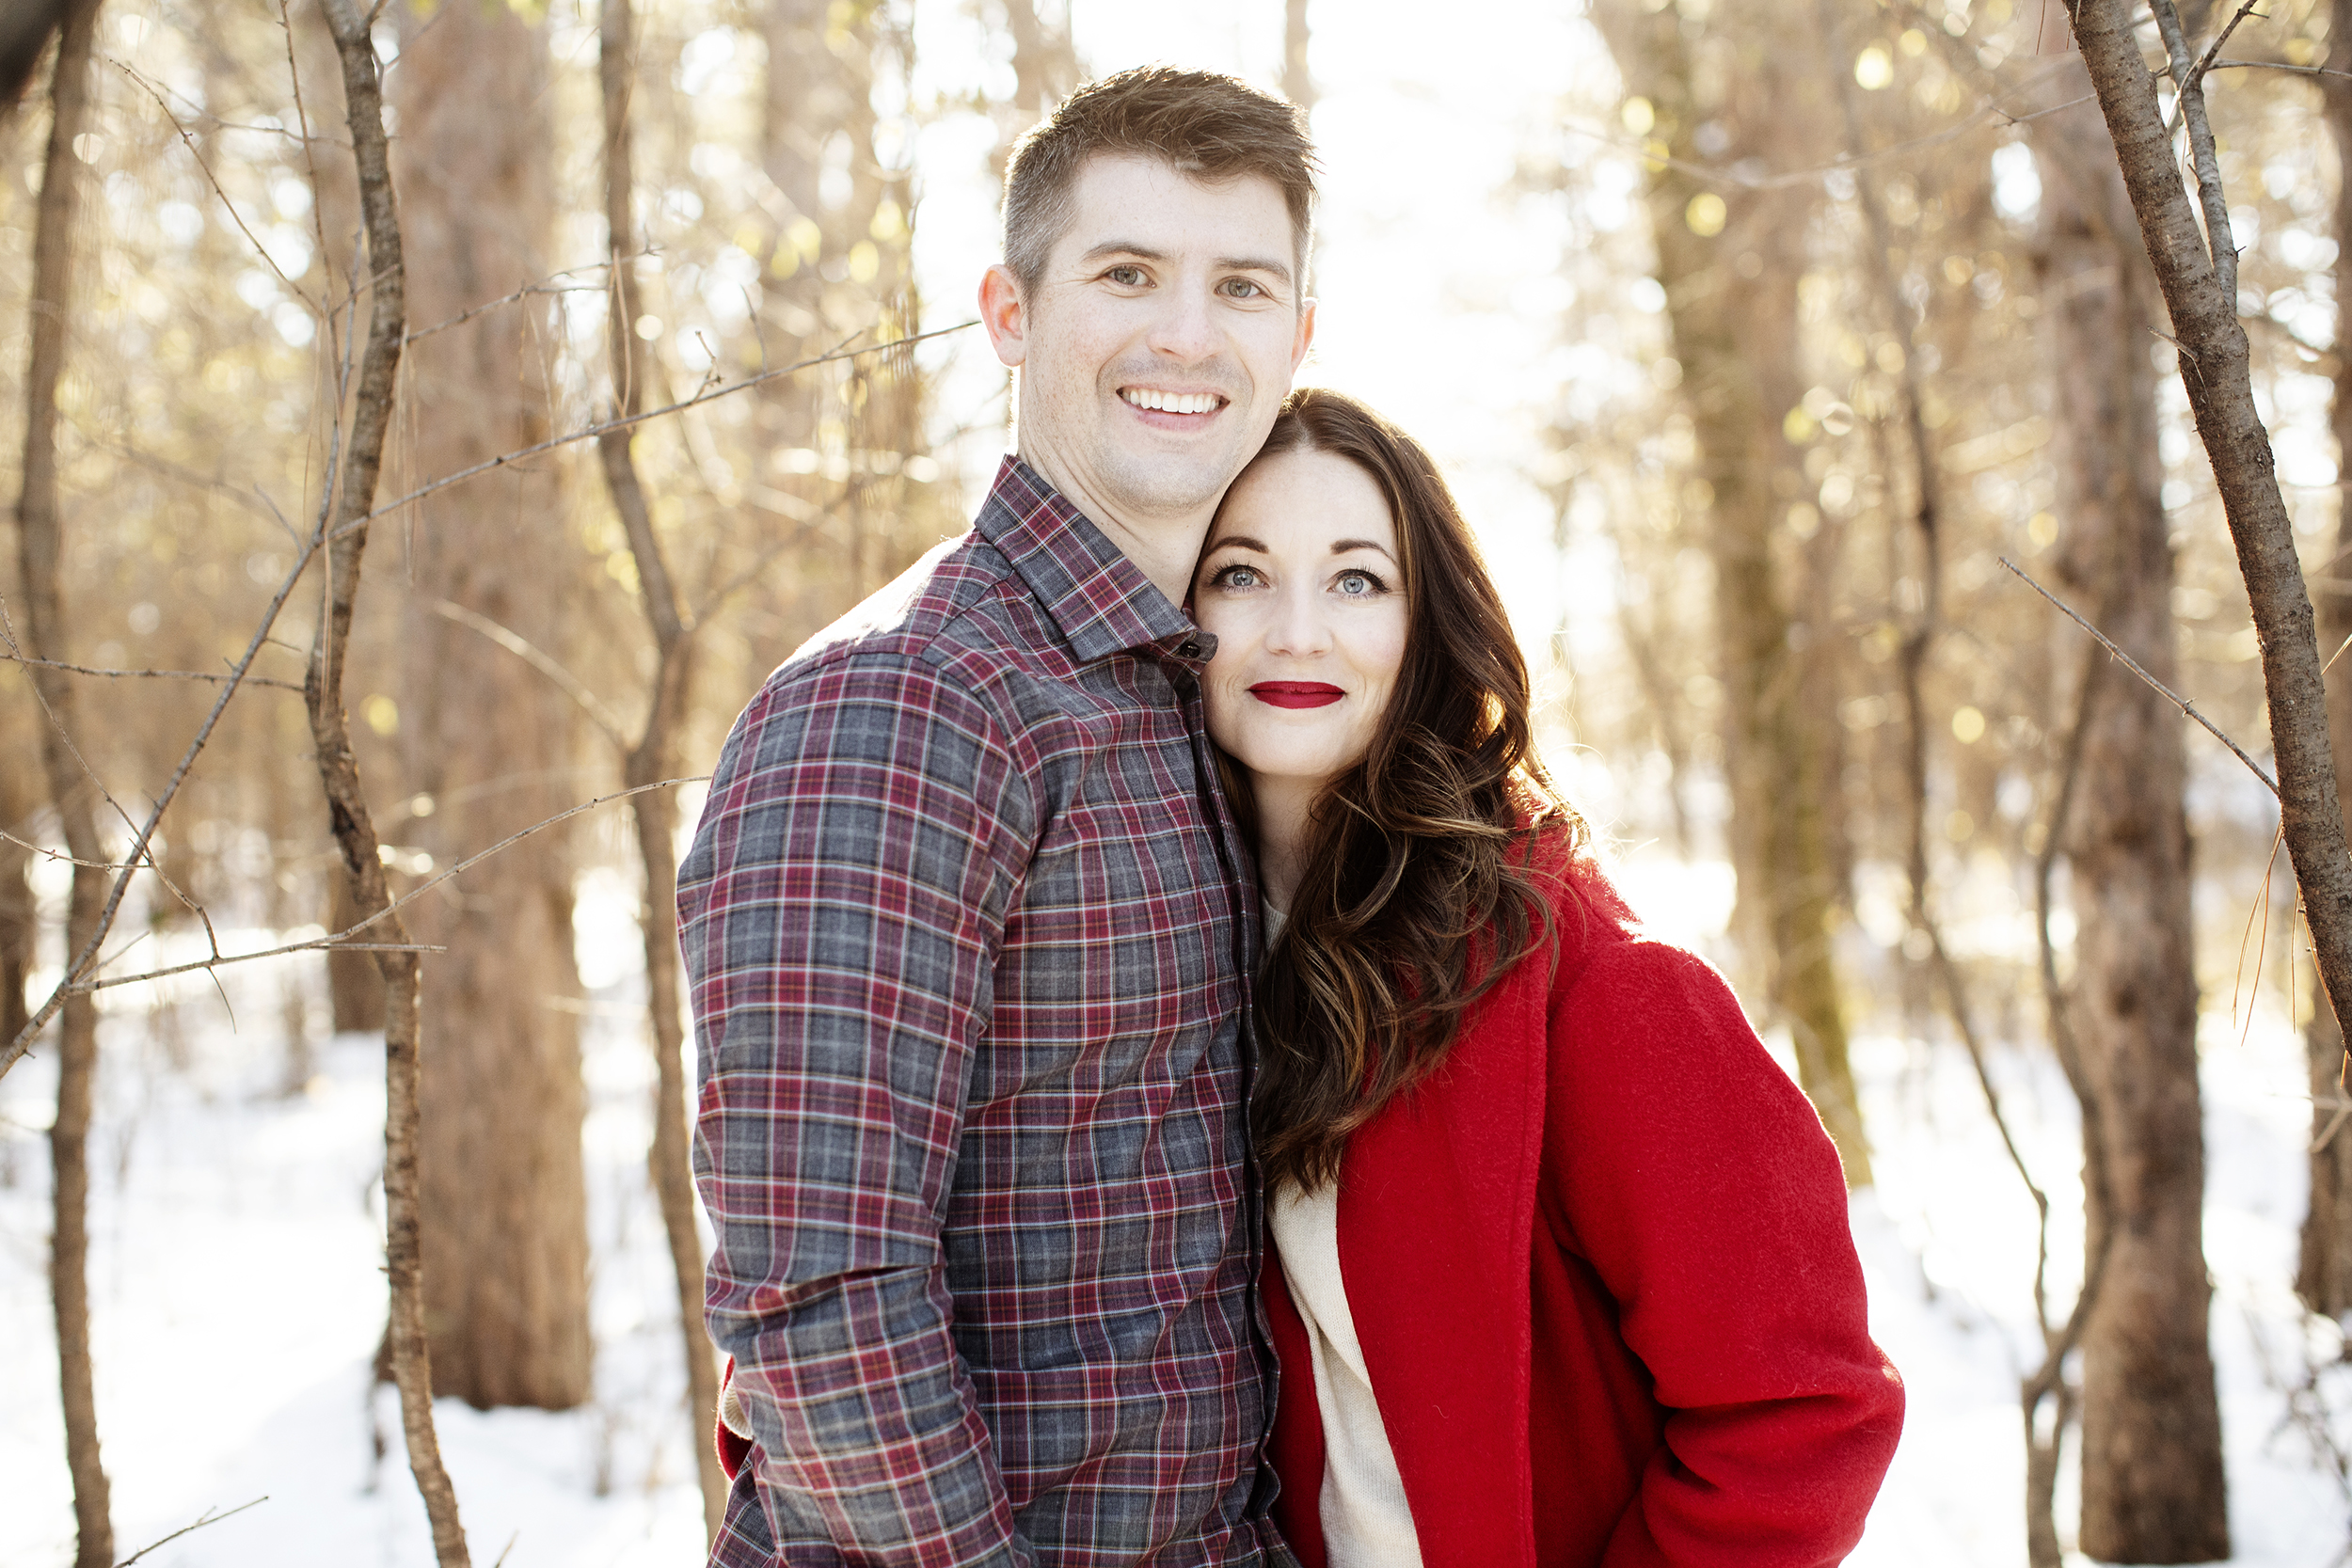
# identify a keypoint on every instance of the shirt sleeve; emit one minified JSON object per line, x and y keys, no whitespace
{"x":840,"y":909}
{"x":1704,"y":1194}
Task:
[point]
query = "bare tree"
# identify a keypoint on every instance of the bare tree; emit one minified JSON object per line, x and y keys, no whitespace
{"x":2197,"y":272}
{"x":72,"y":790}
{"x":2324,"y":1274}
{"x":343,"y":525}
{"x":1729,"y":262}
{"x":2152,"y":1482}
{"x":488,"y":747}
{"x":1298,"y":83}
{"x":648,"y":760}
{"x":1046,"y":62}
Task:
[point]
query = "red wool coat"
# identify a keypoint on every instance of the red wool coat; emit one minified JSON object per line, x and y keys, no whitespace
{"x":1602,"y":1276}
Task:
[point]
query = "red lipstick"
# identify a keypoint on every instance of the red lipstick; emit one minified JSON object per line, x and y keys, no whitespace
{"x":1296,"y":693}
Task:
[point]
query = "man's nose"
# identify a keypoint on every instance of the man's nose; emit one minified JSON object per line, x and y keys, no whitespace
{"x":1186,"y":327}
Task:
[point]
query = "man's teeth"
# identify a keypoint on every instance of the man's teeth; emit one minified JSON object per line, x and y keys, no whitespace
{"x":1171,"y":403}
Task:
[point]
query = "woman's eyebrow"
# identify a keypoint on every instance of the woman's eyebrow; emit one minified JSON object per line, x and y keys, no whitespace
{"x":1340,"y":547}
{"x":1239,"y":542}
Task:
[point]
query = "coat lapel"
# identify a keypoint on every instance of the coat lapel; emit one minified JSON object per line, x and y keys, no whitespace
{"x":1436,"y":1217}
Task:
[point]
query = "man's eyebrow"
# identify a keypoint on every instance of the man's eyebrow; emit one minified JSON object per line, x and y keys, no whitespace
{"x":1124,"y":248}
{"x":1255,"y":263}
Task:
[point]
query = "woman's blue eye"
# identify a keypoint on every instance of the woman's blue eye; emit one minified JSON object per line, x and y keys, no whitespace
{"x":1357,"y":585}
{"x":1236,"y":576}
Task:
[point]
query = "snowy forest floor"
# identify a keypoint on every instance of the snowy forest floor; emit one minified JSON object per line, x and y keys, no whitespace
{"x":238,"y":1294}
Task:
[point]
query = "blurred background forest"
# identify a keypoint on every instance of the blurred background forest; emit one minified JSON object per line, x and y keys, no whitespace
{"x":1757,"y":341}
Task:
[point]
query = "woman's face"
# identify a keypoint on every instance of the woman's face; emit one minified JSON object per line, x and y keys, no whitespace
{"x":1302,"y":587}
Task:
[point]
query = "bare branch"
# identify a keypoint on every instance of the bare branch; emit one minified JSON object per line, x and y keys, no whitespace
{"x":2220,"y":249}
{"x":234,"y":216}
{"x":515,"y":642}
{"x":57,"y":855}
{"x":12,"y":657}
{"x":2133,"y":665}
{"x":207,"y":1518}
{"x":80,"y":961}
{"x":547,"y":287}
{"x":709,"y":394}
{"x":339,"y":938}
{"x":2204,"y":62}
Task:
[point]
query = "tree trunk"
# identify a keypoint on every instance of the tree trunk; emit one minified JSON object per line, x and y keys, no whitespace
{"x":1045,"y":67}
{"x":2324,"y":1277}
{"x":1298,"y":83}
{"x":351,"y":496}
{"x":16,"y":929}
{"x":2151,"y":1474}
{"x":41,"y":542}
{"x":1731,"y":297}
{"x":485,"y":737}
{"x":2199,"y":288}
{"x":354,"y":986}
{"x":655,"y":812}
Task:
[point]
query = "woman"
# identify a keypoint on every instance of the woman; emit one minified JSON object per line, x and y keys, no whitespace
{"x":1560,"y":1270}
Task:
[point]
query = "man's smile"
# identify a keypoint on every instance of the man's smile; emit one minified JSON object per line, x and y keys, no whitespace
{"x":1186,"y":405}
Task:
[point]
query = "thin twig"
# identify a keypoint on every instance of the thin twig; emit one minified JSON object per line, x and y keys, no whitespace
{"x":234,"y":216}
{"x":12,"y":657}
{"x":208,"y":1517}
{"x":516,"y":643}
{"x":2204,"y":62}
{"x":709,"y":394}
{"x":410,"y":896}
{"x":60,"y":855}
{"x":2133,"y":665}
{"x":547,"y":286}
{"x":2205,"y":157}
{"x":2279,"y":65}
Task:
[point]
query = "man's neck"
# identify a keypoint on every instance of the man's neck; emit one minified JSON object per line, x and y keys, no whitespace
{"x":1164,"y":548}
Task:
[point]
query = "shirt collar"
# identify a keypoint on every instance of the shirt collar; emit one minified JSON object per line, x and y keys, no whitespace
{"x":1101,"y":600}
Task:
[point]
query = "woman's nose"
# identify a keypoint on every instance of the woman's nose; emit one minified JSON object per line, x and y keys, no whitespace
{"x":1299,"y":628}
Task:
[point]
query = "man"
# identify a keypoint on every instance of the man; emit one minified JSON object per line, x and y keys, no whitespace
{"x":969,"y":928}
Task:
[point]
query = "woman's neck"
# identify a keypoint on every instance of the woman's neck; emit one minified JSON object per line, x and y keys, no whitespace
{"x":1284,"y":806}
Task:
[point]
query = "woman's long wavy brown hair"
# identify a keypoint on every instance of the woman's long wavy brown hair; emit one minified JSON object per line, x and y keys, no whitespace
{"x":1418,"y":893}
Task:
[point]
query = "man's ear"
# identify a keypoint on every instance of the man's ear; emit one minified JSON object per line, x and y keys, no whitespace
{"x":1005,"y":314}
{"x":1306,"y":335}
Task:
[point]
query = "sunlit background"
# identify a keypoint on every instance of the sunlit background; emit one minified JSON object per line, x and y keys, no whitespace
{"x":1488,"y":276}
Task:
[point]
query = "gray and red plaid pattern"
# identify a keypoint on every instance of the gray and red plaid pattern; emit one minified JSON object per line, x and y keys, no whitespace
{"x":968,"y":938}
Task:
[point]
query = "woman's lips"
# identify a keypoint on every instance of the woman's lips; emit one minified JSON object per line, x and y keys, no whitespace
{"x":1296,"y":693}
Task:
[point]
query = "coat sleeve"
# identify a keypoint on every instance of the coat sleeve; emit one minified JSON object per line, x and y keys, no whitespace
{"x":1699,"y":1185}
{"x":840,"y":909}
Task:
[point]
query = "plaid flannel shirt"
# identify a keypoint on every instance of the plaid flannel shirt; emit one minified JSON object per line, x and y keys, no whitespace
{"x":968,"y":934}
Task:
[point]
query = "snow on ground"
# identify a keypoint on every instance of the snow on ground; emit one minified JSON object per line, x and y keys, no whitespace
{"x":236,"y":1269}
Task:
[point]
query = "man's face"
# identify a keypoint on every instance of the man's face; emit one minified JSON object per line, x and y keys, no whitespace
{"x":1157,"y":344}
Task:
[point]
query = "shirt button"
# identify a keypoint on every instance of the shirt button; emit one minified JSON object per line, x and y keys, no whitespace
{"x":1190,"y":649}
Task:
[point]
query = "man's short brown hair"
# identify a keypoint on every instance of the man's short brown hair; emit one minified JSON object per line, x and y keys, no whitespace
{"x":1211,"y":127}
